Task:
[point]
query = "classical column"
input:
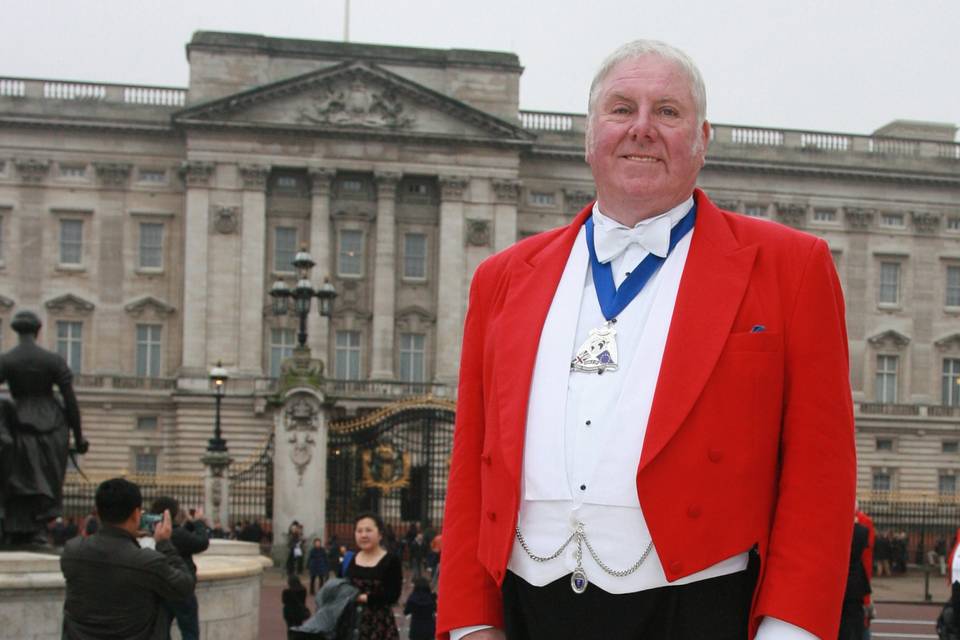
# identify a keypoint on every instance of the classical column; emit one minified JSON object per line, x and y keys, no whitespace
{"x":197,"y":178}
{"x":252,"y":259}
{"x":505,"y":213}
{"x":451,"y":293}
{"x":384,"y":277}
{"x":320,"y":243}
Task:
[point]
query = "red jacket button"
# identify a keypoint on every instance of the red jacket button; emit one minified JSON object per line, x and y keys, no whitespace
{"x":715,"y":455}
{"x":492,"y":515}
{"x":676,"y":567}
{"x":693,"y":511}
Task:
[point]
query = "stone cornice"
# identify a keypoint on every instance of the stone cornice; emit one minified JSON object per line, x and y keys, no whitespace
{"x":87,"y":125}
{"x":889,"y":338}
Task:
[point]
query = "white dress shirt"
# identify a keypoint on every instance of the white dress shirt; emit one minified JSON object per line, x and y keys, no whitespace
{"x":603,"y":428}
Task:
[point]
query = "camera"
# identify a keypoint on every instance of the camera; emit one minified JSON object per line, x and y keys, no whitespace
{"x":148,"y":521}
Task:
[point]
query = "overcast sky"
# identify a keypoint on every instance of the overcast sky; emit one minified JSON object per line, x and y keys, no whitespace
{"x":834,"y":65}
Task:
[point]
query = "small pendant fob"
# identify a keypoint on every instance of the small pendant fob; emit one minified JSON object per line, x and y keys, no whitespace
{"x":598,"y":353}
{"x":578,"y":581}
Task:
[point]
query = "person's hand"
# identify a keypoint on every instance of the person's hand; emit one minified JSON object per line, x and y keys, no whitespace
{"x":362,"y":598}
{"x":164,"y":528}
{"x":486,"y":634}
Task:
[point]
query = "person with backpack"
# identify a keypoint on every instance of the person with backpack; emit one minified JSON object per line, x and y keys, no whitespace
{"x":421,"y":606}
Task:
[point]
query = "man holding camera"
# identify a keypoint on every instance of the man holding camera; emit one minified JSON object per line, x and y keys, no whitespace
{"x":190,"y":535}
{"x":115,"y":588}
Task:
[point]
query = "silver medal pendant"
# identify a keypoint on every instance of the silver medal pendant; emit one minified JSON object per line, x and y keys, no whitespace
{"x":578,"y":581}
{"x":598,"y":353}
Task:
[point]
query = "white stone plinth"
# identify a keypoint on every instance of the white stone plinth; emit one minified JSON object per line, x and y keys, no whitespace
{"x":32,"y":591}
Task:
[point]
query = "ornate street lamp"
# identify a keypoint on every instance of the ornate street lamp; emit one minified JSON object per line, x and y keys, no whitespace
{"x":302,"y":294}
{"x":219,"y":377}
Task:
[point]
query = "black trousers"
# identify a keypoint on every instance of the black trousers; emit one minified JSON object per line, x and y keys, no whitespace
{"x":717,"y":609}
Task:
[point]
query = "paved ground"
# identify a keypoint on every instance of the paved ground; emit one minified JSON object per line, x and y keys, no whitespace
{"x":902,"y":611}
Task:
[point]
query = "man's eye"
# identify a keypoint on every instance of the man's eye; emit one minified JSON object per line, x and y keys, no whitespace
{"x":620,"y":110}
{"x":669,"y":111}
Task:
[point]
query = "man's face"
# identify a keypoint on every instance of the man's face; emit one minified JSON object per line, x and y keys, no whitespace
{"x":645,"y":145}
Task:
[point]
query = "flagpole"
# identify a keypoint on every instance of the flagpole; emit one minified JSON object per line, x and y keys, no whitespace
{"x":346,"y":20}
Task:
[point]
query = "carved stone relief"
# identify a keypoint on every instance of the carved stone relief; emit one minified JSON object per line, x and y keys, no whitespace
{"x":507,"y":190}
{"x":301,"y":417}
{"x":452,"y":187}
{"x":31,"y":170}
{"x":925,"y":222}
{"x":196,"y":174}
{"x":575,"y":199}
{"x":791,"y":214}
{"x":354,"y":103}
{"x":113,"y":174}
{"x":225,"y":220}
{"x":858,"y":218}
{"x":478,"y":233}
{"x":254,"y":177}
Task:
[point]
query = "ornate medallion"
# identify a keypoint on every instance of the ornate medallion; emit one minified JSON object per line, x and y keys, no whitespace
{"x":598,"y":353}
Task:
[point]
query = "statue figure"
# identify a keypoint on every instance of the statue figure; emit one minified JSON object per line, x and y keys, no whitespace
{"x":34,"y":441}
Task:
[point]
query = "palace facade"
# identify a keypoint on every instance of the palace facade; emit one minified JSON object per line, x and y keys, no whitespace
{"x":147,"y":225}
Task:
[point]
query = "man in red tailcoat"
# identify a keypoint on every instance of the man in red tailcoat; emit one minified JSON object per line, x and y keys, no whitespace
{"x":654,"y":431}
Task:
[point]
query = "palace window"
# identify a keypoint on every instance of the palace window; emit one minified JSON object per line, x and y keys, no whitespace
{"x":542,"y":198}
{"x":284,"y":248}
{"x":73,"y":171}
{"x":953,"y":223}
{"x":755,"y":210}
{"x":147,"y":423}
{"x":950,"y":382}
{"x":145,"y":463}
{"x":281,"y":348}
{"x":889,"y":292}
{"x":886,"y":386}
{"x":151,"y":245}
{"x":825,"y":215}
{"x":350,"y":253}
{"x":882,"y":481}
{"x":950,"y":446}
{"x":71,"y":241}
{"x":148,"y":350}
{"x":415,"y":256}
{"x":890,"y":219}
{"x":155,"y":176}
{"x":947,"y":484}
{"x":884,"y":444}
{"x":347,"y":356}
{"x":952,"y":298}
{"x":70,"y":343}
{"x":412,"y":357}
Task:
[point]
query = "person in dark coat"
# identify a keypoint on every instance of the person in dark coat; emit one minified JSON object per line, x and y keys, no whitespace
{"x":31,"y":484}
{"x":421,"y":606}
{"x":317,"y":564}
{"x":294,"y":599}
{"x":190,"y":536}
{"x":858,"y":586}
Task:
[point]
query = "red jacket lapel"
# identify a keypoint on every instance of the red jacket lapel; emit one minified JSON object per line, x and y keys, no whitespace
{"x":533,"y":281}
{"x":714,"y":281}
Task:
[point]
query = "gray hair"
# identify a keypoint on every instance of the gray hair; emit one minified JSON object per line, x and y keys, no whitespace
{"x":640,"y":48}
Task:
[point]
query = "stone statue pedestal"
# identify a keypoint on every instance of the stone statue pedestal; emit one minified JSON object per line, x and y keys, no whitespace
{"x":229,"y":575}
{"x":216,"y":487}
{"x":300,"y":454}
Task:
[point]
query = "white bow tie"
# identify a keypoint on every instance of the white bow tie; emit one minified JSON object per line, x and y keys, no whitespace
{"x":610,"y":241}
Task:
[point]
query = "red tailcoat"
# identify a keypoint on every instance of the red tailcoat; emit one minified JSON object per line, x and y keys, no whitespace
{"x":750,"y":436}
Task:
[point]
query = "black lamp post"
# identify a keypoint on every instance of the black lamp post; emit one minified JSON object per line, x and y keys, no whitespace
{"x":219,"y":377}
{"x":302,"y":294}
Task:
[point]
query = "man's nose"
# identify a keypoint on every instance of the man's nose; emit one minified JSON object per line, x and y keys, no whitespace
{"x":642,"y":127}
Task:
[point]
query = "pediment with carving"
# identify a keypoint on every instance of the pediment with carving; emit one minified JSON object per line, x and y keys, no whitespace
{"x":889,"y":339}
{"x":358,"y":97}
{"x":948,"y":343}
{"x":148,"y":303}
{"x":69,"y":303}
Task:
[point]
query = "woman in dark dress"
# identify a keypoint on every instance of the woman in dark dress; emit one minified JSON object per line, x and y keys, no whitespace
{"x":294,"y":599}
{"x":378,"y":575}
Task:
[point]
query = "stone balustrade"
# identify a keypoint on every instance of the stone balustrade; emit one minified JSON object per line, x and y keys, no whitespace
{"x":92,"y":91}
{"x":817,"y":141}
{"x":918,"y":410}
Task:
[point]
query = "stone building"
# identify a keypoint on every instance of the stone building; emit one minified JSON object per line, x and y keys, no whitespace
{"x":146,"y":225}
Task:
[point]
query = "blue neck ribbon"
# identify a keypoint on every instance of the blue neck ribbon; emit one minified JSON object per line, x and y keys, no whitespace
{"x":613,"y":300}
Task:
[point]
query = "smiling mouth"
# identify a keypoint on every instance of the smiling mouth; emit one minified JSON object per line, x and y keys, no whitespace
{"x":633,"y":158}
